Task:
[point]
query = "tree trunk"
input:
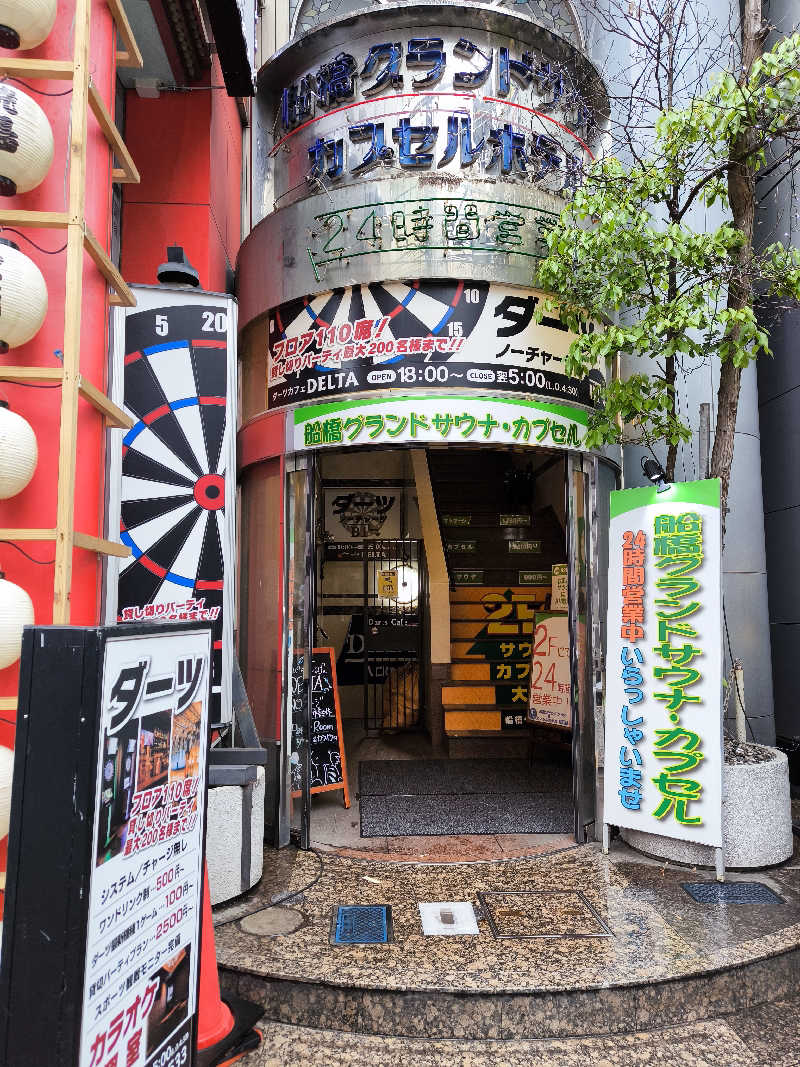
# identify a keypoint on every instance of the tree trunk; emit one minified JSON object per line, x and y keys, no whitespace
{"x":722,"y":455}
{"x":742,"y":196}
{"x":672,"y":450}
{"x":669,"y":364}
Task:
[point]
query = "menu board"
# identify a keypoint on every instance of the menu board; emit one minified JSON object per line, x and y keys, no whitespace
{"x":143,"y":927}
{"x":328,"y":766}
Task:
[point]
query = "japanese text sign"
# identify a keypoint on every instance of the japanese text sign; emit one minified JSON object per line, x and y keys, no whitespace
{"x":550,"y":701}
{"x":388,"y":584}
{"x":143,"y":929}
{"x":663,"y":730}
{"x":420,"y":335}
{"x":421,"y":419}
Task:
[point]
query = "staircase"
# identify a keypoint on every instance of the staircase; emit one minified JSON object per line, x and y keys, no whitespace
{"x":500,"y":547}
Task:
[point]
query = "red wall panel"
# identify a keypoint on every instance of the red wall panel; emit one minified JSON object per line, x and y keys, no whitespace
{"x":188,"y":148}
{"x":36,"y":505}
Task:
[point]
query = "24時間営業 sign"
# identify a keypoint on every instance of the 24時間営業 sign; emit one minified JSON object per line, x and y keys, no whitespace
{"x":663,"y":731}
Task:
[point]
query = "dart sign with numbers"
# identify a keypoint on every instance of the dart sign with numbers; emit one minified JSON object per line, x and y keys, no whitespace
{"x":171,"y":476}
{"x":421,"y":335}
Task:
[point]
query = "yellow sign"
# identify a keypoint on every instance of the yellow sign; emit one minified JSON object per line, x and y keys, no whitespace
{"x":387,"y":584}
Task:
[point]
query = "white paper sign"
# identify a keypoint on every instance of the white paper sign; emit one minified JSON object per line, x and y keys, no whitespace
{"x":558,"y":596}
{"x":550,"y":672}
{"x":663,"y":730}
{"x":143,"y":937}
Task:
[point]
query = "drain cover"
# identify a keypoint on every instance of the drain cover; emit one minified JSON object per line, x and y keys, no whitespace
{"x":542,"y":913}
{"x":362,"y":924}
{"x":272,"y":922}
{"x":731,"y":893}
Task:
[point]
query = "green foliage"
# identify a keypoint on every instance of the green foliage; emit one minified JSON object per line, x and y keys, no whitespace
{"x":631,"y":249}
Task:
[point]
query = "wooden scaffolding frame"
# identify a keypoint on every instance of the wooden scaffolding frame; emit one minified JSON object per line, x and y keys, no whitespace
{"x":80,"y":239}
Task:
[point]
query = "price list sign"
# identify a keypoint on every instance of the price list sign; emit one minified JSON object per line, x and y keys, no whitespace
{"x":100,"y":959}
{"x":143,"y":930}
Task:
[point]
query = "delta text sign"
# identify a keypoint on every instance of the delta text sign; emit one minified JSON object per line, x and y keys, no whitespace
{"x":663,"y":733}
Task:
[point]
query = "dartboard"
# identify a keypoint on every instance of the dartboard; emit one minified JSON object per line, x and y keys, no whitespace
{"x":414,"y":309}
{"x":408,"y":312}
{"x":172,"y":513}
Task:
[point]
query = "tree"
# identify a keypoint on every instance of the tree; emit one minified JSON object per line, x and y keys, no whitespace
{"x":633,"y":243}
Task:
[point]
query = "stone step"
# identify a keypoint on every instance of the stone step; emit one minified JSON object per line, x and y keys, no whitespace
{"x":495,"y":631}
{"x":448,"y":1014}
{"x":741,"y":1040}
{"x":475,"y":694}
{"x":571,"y":944}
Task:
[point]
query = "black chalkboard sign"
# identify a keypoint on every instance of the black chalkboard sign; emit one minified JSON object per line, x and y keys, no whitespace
{"x":328,"y":764}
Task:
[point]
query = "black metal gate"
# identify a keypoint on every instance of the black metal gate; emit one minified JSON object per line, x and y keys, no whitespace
{"x":394,"y":591}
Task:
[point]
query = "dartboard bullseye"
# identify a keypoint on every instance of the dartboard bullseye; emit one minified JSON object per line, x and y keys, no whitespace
{"x":209,"y":492}
{"x":172,"y":513}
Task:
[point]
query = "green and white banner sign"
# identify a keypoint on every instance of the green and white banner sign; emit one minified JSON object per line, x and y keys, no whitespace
{"x":663,"y":730}
{"x":431,"y":419}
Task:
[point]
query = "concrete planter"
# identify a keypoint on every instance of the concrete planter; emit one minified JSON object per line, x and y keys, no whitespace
{"x":756,"y":820}
{"x":235,"y":837}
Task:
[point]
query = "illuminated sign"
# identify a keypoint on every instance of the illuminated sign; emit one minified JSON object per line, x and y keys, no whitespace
{"x":342,"y":79}
{"x":663,"y":747}
{"x":436,"y":106}
{"x":446,"y":224}
{"x":421,"y":419}
{"x":418,"y":335}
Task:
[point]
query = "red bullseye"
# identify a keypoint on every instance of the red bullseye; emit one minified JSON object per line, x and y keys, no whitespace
{"x":209,"y":492}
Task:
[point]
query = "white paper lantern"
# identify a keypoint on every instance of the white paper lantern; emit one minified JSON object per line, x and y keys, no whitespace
{"x":16,"y":611}
{"x":6,"y":777}
{"x":23,"y":297}
{"x":18,"y":453}
{"x":26,"y":142}
{"x":26,"y":23}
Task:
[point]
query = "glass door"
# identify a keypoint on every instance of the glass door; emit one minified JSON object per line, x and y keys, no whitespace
{"x":581,"y":526}
{"x":301,"y":504}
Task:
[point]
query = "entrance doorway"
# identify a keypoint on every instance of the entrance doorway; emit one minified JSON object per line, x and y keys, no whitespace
{"x":450,"y":590}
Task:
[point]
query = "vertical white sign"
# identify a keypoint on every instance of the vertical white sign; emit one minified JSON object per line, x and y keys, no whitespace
{"x":143,"y":933}
{"x":558,"y":596}
{"x":663,"y":729}
{"x":550,"y":671}
{"x":171,"y":477}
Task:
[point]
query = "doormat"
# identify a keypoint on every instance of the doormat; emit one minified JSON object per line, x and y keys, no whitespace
{"x":451,"y":798}
{"x":530,"y":914}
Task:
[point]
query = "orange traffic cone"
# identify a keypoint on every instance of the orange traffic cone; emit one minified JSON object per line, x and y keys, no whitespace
{"x":224,"y":1026}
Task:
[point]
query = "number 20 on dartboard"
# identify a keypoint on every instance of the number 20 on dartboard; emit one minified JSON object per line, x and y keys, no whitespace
{"x":213,"y":322}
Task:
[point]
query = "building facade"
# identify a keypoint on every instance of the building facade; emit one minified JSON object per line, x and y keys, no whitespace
{"x":412,"y":486}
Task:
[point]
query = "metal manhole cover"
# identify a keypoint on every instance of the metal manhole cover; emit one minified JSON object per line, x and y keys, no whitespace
{"x":731,"y":893}
{"x":550,"y":914}
{"x":362,"y":924}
